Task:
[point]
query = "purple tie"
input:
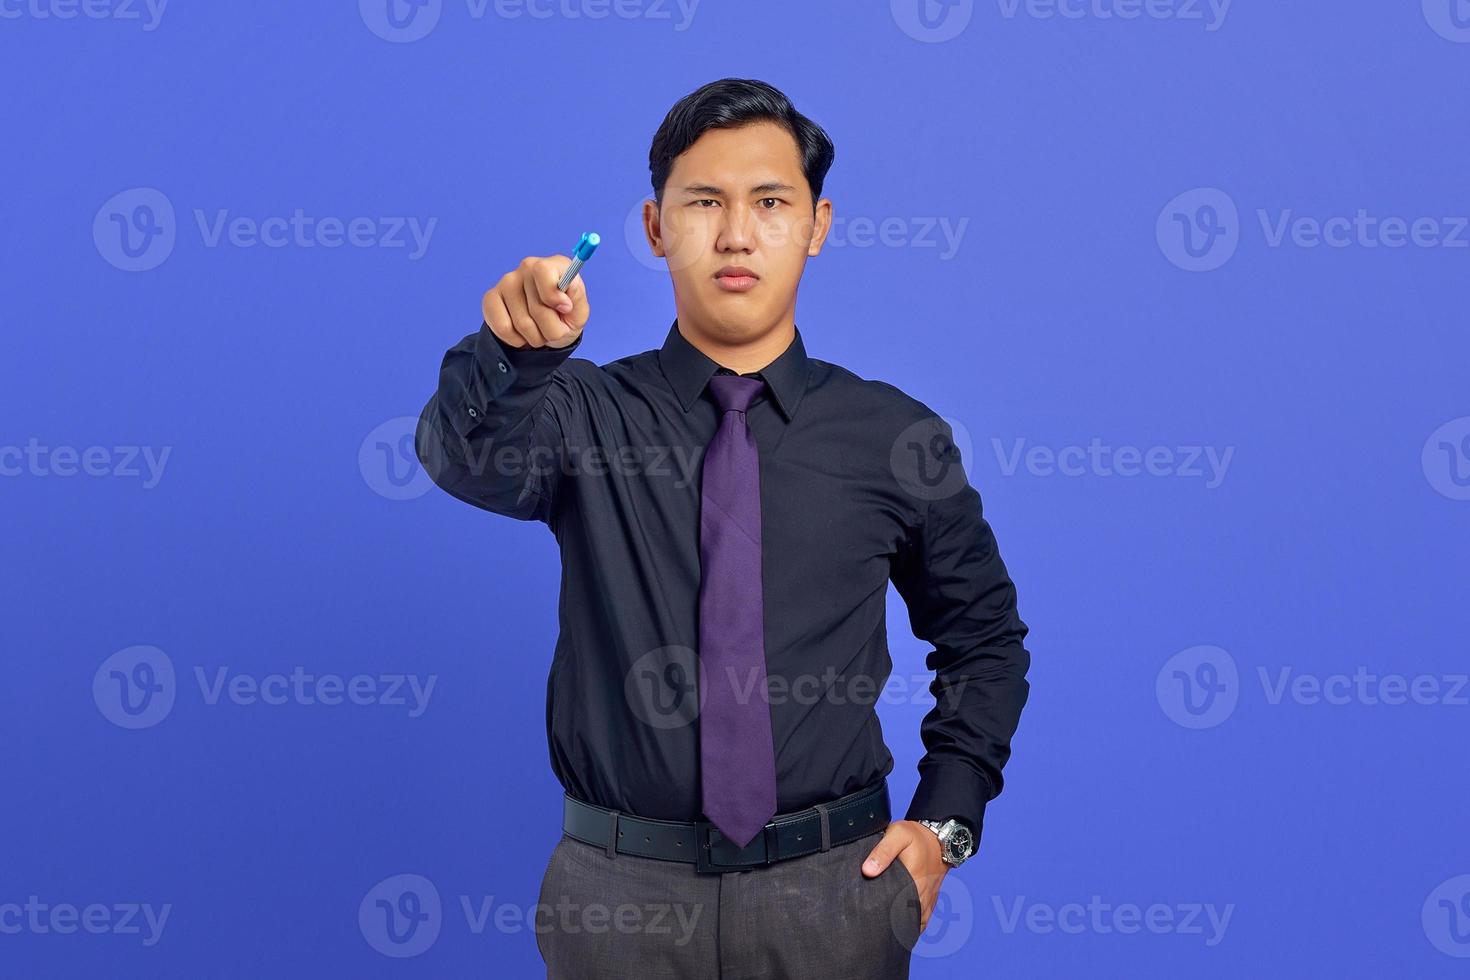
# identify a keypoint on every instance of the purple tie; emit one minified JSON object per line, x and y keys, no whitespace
{"x":737,"y":758}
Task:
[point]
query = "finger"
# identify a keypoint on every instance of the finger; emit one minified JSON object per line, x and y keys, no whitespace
{"x":578,"y":315}
{"x":545,"y":275}
{"x":548,"y":320}
{"x":520,"y":314}
{"x":498,"y":317}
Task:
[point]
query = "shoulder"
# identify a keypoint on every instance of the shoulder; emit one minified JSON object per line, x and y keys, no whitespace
{"x":881,"y":401}
{"x":922,"y":450}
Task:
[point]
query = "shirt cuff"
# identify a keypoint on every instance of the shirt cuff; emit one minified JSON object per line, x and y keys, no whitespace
{"x":949,"y":789}
{"x":503,"y":366}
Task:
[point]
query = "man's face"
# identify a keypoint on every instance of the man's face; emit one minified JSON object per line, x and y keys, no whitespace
{"x":737,"y":198}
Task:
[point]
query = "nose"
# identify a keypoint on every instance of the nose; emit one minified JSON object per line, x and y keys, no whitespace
{"x":737,"y":231}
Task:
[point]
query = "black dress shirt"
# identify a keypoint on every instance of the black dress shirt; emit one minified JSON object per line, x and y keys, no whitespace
{"x":860,"y":484}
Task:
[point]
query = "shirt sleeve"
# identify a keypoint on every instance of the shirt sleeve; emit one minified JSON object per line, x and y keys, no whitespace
{"x":494,"y":433}
{"x":961,"y":599}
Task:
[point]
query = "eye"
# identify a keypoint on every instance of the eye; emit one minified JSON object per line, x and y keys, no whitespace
{"x":702,"y":200}
{"x":775,"y":201}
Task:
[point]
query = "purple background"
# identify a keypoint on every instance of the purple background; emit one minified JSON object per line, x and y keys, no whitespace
{"x":1056,"y":147}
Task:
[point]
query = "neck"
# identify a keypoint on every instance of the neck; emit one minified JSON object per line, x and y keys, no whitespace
{"x":745,"y":355}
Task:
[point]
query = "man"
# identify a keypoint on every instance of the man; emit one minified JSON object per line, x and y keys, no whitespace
{"x":729,"y":512}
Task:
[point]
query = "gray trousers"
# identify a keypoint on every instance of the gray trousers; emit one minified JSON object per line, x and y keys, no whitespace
{"x":815,"y":917}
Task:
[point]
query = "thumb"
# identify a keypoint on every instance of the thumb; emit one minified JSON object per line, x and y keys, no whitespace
{"x":883,"y":853}
{"x":573,"y":305}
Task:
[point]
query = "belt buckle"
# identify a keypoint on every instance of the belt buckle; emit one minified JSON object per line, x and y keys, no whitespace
{"x":710,"y":854}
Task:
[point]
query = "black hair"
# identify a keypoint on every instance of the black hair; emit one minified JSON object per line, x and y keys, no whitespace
{"x":728,"y":104}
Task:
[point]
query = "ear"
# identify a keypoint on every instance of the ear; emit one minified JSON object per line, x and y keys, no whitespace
{"x":652,"y":228}
{"x":821,"y":225}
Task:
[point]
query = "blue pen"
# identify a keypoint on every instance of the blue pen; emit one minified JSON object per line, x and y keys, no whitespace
{"x":586,"y":245}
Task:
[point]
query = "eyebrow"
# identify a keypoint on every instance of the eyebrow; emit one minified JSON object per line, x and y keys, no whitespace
{"x":770,"y":186}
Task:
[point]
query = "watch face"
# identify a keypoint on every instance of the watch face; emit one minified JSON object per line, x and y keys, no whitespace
{"x":962,"y":844}
{"x":957,"y":843}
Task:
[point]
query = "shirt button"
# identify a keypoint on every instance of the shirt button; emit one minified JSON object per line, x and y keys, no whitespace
{"x":503,"y":368}
{"x":474,"y":412}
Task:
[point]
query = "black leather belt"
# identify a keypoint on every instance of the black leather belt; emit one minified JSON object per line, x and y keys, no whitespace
{"x":700,"y":842}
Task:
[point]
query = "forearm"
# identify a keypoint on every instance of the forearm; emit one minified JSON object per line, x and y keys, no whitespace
{"x":961,"y":598}
{"x":489,"y":435}
{"x":979,"y":695}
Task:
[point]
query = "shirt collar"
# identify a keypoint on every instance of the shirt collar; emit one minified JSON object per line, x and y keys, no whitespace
{"x":688,"y":369}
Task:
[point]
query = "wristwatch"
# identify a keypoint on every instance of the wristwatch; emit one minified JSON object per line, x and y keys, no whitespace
{"x":956,"y":843}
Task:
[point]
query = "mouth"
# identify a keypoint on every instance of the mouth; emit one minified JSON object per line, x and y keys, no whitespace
{"x":736,"y":279}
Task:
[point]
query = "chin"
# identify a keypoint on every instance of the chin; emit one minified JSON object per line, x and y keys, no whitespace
{"x":734,"y":327}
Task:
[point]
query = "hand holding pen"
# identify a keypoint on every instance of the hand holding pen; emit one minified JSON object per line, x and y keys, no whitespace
{"x":542,"y":302}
